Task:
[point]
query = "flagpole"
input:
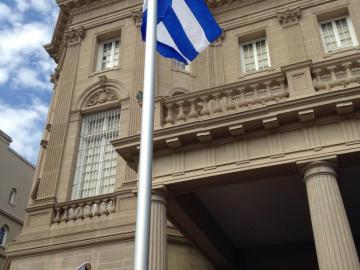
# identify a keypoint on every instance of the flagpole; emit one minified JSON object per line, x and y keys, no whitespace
{"x":142,"y":234}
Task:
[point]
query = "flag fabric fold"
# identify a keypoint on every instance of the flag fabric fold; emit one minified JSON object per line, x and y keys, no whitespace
{"x":184,"y":28}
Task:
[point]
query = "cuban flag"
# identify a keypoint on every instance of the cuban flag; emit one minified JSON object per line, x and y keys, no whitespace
{"x":184,"y":28}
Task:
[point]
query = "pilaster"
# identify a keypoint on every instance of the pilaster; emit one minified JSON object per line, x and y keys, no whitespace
{"x":59,"y":122}
{"x":216,"y":63}
{"x":333,"y":238}
{"x":289,"y":19}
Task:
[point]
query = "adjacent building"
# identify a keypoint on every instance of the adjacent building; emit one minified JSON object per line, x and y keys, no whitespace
{"x":256,"y":143}
{"x":16,"y":175}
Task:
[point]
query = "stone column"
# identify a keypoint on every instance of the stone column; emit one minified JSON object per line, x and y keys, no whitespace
{"x":333,"y":239}
{"x":158,"y":234}
{"x":59,"y":122}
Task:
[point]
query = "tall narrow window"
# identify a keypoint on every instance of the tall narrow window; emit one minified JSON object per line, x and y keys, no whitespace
{"x":12,"y":196}
{"x":338,"y":33}
{"x":96,"y":165}
{"x":4,"y":230}
{"x":254,"y":55}
{"x":109,"y":54}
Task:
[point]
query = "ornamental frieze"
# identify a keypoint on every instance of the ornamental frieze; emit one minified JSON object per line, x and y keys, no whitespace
{"x":102,"y":96}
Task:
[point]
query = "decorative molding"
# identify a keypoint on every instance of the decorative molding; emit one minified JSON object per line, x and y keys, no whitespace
{"x":137,"y":17}
{"x":219,"y":40}
{"x":289,"y":17}
{"x":223,"y":6}
{"x":54,"y":78}
{"x":103,"y":95}
{"x":74,"y":36}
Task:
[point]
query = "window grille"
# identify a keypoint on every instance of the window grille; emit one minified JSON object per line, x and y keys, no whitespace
{"x":109,"y":54}
{"x":255,"y":55}
{"x":96,"y":165}
{"x":338,"y":33}
{"x":3,"y":235}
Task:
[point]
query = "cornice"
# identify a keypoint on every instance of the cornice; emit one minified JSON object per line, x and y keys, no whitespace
{"x":8,"y":215}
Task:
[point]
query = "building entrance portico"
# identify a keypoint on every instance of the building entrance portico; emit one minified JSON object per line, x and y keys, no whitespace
{"x":262,"y":220}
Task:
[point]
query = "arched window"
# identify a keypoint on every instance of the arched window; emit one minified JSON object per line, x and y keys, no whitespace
{"x":4,"y":230}
{"x":12,"y":196}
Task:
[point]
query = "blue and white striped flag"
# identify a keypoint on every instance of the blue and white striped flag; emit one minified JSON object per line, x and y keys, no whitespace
{"x":184,"y":28}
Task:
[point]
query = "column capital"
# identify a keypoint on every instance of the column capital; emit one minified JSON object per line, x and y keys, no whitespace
{"x":74,"y":36}
{"x":159,"y":196}
{"x":289,"y":16}
{"x":319,"y":168}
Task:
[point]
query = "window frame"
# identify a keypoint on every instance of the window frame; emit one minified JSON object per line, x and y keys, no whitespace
{"x":175,"y":66}
{"x":242,"y":55}
{"x":6,"y":230}
{"x":76,"y":192}
{"x":337,"y":37}
{"x":100,"y":54}
{"x":12,"y":196}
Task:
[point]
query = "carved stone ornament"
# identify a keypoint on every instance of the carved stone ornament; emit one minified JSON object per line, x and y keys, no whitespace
{"x":102,"y":95}
{"x":219,"y":40}
{"x":137,"y":16}
{"x":74,"y":36}
{"x":289,"y":16}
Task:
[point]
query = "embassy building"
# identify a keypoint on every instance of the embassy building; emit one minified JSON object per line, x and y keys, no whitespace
{"x":256,"y":143}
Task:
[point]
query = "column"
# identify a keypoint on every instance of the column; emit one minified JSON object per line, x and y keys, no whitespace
{"x":158,"y":234}
{"x":216,"y":63}
{"x":333,"y":239}
{"x":59,"y":121}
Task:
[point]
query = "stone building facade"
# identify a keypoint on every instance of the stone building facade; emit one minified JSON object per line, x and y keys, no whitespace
{"x":256,"y":143}
{"x":16,"y":175}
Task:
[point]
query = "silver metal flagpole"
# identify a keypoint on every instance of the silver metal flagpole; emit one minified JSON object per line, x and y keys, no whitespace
{"x":142,"y":235}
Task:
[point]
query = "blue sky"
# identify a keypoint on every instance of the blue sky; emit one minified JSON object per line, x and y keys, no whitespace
{"x":25,"y":68}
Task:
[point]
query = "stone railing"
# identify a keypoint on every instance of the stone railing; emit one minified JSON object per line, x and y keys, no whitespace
{"x":224,"y":100}
{"x":336,"y":75}
{"x":84,"y":209}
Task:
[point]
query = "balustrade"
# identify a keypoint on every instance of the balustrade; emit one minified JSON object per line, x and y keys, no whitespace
{"x":226,"y":100}
{"x":84,"y":209}
{"x":337,"y":75}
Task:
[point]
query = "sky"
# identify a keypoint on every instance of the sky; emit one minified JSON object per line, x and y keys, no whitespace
{"x":25,"y":68}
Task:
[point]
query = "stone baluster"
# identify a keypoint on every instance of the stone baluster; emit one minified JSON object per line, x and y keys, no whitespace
{"x":242,"y":102}
{"x":96,"y":208}
{"x":104,"y":207}
{"x":72,"y":214}
{"x":65,"y":216}
{"x":230,"y":105}
{"x":57,"y":215}
{"x":333,"y":77}
{"x":112,"y":205}
{"x":88,"y":210}
{"x":169,"y":119}
{"x":217,"y":108}
{"x":80,"y":211}
{"x":205,"y":111}
{"x":193,"y":114}
{"x":180,"y":118}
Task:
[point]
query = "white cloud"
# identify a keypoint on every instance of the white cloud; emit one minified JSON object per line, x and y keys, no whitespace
{"x":24,"y":126}
{"x":30,"y":78}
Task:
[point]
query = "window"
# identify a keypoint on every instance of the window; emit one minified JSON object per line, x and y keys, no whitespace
{"x":4,"y":230}
{"x":180,"y":66}
{"x":338,"y":33}
{"x":108,"y":54}
{"x":12,"y":196}
{"x":254,"y":55}
{"x":97,"y":159}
